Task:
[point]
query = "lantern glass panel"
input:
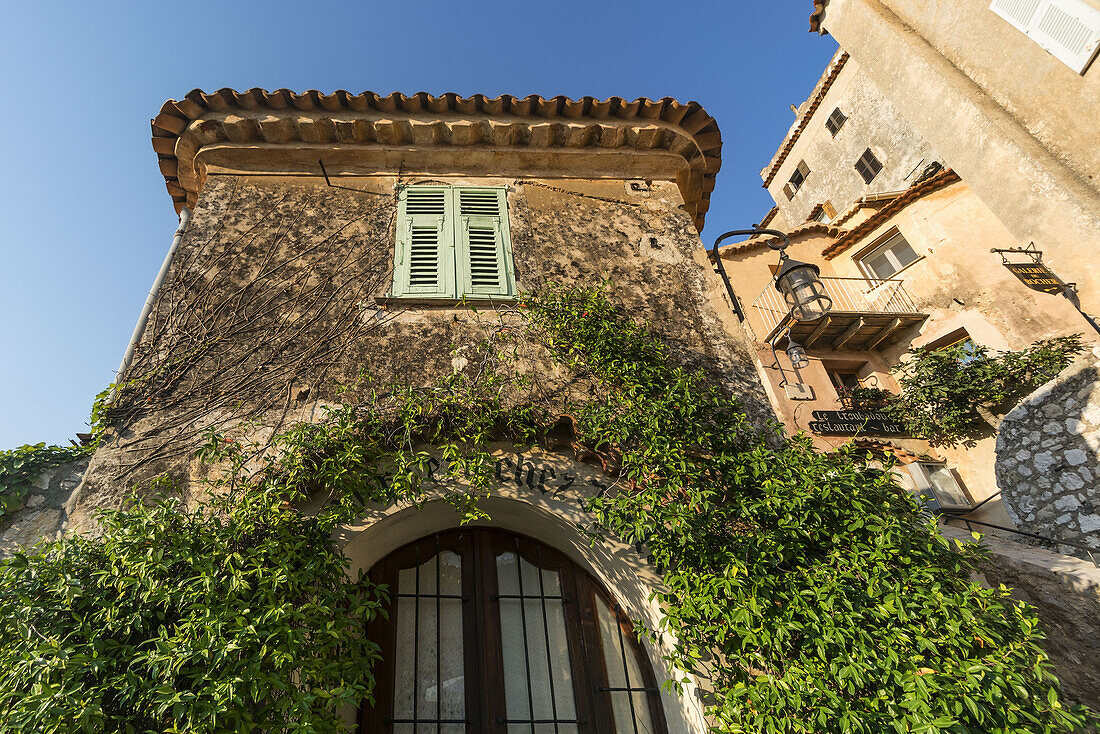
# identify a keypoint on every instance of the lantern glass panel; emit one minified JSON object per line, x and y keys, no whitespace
{"x":805,"y":294}
{"x":797,"y":354}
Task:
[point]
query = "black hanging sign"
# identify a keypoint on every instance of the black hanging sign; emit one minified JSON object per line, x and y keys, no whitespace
{"x":1037,"y":277}
{"x":855,"y":422}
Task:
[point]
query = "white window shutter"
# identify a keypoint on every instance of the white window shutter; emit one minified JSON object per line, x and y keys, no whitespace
{"x":424,"y":255}
{"x":483,"y":244}
{"x":1017,"y":12}
{"x":1068,"y":29}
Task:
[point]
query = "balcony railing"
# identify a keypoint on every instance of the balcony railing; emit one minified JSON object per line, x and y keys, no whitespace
{"x":862,"y":310}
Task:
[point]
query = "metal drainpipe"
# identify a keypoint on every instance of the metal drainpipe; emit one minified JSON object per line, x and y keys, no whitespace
{"x":185,"y":216}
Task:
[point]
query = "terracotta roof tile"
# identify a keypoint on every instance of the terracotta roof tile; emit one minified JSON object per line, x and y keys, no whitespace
{"x":769,"y":216}
{"x":817,"y":15}
{"x":684,"y":129}
{"x":823,"y":86}
{"x":853,"y":235}
{"x":802,"y":229}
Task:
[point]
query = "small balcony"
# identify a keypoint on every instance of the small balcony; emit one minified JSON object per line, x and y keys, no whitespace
{"x":865,"y":315}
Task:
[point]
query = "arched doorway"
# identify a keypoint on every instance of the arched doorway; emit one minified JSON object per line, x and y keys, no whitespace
{"x":490,"y":632}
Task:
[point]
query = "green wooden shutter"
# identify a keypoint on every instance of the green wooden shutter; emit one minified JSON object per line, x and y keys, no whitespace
{"x":484,"y":249}
{"x":424,"y":255}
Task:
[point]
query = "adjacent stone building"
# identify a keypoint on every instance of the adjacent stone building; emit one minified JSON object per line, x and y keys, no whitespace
{"x":1009,"y":94}
{"x":332,"y":241}
{"x":906,"y":244}
{"x":847,"y":142}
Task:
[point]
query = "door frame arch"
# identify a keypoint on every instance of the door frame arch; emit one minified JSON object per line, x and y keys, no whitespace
{"x":590,"y":656}
{"x":555,"y":520}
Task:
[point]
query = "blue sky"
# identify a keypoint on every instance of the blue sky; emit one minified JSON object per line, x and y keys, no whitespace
{"x":85,"y":217}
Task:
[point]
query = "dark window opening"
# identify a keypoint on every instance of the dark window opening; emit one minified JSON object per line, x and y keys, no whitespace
{"x":835,"y":122}
{"x":868,"y":166}
{"x":797,"y":179}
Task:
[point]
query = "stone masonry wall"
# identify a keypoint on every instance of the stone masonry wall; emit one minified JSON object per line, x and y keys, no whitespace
{"x":275,"y":305}
{"x":43,"y":511}
{"x":1048,"y":457}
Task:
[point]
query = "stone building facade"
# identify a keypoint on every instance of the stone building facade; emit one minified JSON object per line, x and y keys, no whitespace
{"x":300,"y":275}
{"x":980,"y":82}
{"x":944,"y":293}
{"x":844,"y":117}
{"x":909,"y":264}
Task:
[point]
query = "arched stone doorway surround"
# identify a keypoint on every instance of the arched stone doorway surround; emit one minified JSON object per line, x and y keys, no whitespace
{"x":540,"y":494}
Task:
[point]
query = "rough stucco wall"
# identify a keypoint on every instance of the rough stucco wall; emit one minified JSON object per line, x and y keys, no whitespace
{"x":1048,"y":456}
{"x":43,"y":511}
{"x":873,"y":122}
{"x":1036,"y":195}
{"x":1052,"y":101}
{"x":269,"y":308}
{"x":958,"y":284}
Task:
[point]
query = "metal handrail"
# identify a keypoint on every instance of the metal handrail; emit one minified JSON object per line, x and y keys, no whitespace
{"x":1053,"y":541}
{"x":851,"y":295}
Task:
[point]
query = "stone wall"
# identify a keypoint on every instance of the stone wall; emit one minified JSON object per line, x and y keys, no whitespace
{"x":1048,"y":456}
{"x":276,"y":304}
{"x":43,"y":511}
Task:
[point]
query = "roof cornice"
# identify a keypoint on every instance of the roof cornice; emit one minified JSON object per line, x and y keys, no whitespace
{"x":311,"y":122}
{"x":803,"y":230}
{"x":845,"y":238}
{"x":944,"y":178}
{"x":817,"y":16}
{"x":824,"y":84}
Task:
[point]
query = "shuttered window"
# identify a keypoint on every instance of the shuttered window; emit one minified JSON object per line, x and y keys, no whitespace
{"x":453,"y":241}
{"x":868,"y":166}
{"x":798,"y":178}
{"x":835,"y":122}
{"x":1068,"y":29}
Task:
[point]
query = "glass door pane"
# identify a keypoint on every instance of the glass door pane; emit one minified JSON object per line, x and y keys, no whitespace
{"x":625,"y":681}
{"x":429,"y":683}
{"x":538,"y":673}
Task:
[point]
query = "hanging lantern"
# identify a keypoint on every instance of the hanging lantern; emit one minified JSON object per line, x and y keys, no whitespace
{"x":797,"y":354}
{"x":802,"y":289}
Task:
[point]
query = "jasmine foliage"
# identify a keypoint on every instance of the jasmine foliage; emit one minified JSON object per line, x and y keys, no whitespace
{"x":947,"y":394}
{"x":812,"y":592}
{"x":810,"y":589}
{"x":178,"y":621}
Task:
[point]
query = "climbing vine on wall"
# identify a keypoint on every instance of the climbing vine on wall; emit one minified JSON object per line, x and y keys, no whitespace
{"x":807,"y":589}
{"x":948,"y":395}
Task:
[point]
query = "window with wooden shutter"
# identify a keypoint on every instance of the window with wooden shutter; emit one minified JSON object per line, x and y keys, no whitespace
{"x":453,"y":242}
{"x":835,"y":122}
{"x":1068,"y":29}
{"x":868,"y":166}
{"x":798,"y":177}
{"x":483,"y":256}
{"x":424,"y":255}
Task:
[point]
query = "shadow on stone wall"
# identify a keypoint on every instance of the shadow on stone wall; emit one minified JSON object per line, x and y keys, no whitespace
{"x":1048,"y":457}
{"x":43,"y":511}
